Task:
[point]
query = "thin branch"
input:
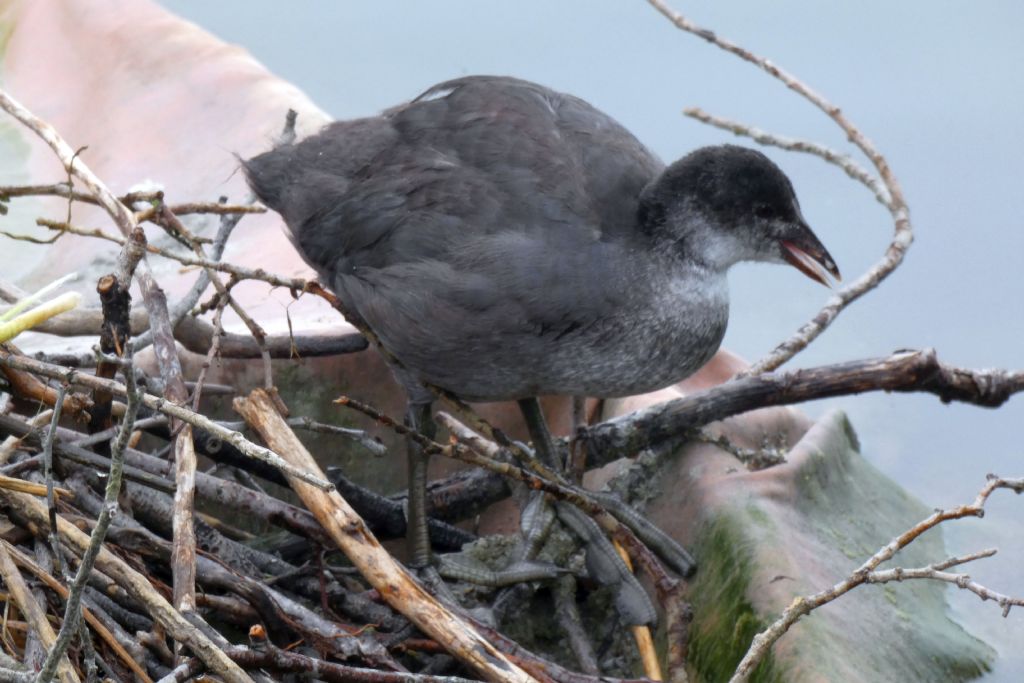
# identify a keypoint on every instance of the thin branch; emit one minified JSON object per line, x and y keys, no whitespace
{"x":74,"y":376}
{"x":390,"y":579}
{"x":197,"y":335}
{"x":67,"y":192}
{"x":903,"y":234}
{"x":34,"y":613}
{"x":51,"y":504}
{"x":72,"y":612}
{"x":218,"y":332}
{"x":963,"y":581}
{"x":843,"y":161}
{"x":370,"y":443}
{"x":242,"y":273}
{"x":802,"y":606}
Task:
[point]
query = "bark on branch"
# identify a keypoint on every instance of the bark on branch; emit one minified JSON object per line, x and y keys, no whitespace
{"x":385,"y":574}
{"x":905,"y":371}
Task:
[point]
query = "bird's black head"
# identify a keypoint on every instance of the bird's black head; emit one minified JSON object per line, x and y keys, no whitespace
{"x":726,"y":204}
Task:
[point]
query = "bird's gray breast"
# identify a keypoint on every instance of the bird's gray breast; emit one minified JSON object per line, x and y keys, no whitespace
{"x":664,"y":329}
{"x":651,"y":343}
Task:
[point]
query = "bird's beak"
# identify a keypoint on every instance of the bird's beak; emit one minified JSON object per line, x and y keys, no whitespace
{"x":804,"y":251}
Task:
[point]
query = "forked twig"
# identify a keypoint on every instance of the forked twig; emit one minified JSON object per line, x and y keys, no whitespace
{"x":866,"y":573}
{"x":903,"y":234}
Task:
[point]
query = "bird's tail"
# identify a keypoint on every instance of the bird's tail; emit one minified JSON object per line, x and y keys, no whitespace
{"x":269,"y":175}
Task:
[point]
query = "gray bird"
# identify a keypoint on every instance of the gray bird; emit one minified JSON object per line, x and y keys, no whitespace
{"x":505,"y":241}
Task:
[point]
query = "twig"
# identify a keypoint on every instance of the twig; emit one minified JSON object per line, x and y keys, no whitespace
{"x":34,"y":614}
{"x":370,"y":443}
{"x":56,"y":586}
{"x":218,"y":331}
{"x":11,"y":443}
{"x":392,"y":582}
{"x":67,"y":192}
{"x":73,"y":376}
{"x":802,"y":606}
{"x":963,"y":581}
{"x":843,"y":161}
{"x":274,"y":659}
{"x":295,"y":283}
{"x":72,"y":612}
{"x":51,"y":504}
{"x":903,"y":234}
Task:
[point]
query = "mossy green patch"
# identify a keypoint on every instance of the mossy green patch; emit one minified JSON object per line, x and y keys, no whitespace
{"x":724,"y":621}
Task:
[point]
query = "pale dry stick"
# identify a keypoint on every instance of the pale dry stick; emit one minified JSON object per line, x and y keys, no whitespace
{"x":137,"y":586}
{"x":218,"y":314}
{"x":34,"y":614}
{"x":183,"y":553}
{"x":240,"y":272}
{"x":67,"y":192}
{"x":963,"y":581}
{"x":163,"y":335}
{"x":58,"y":588}
{"x":383,"y":572}
{"x":73,"y":610}
{"x":802,"y":606}
{"x":11,"y":443}
{"x":214,"y":208}
{"x":903,"y":234}
{"x":51,"y":503}
{"x":236,"y":439}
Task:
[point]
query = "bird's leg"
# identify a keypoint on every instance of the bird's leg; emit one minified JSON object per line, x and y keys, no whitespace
{"x":418,"y":418}
{"x":539,"y":434}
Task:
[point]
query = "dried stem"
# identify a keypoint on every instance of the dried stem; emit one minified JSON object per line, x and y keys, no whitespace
{"x":73,"y":376}
{"x":352,"y":536}
{"x":903,"y":234}
{"x":866,"y":573}
{"x":72,"y":612}
{"x":51,"y":504}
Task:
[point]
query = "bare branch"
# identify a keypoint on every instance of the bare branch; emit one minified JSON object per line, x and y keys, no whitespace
{"x":906,"y":371}
{"x":73,"y":376}
{"x":73,"y":612}
{"x":903,"y":234}
{"x":843,"y":161}
{"x":802,"y":606}
{"x":352,"y":536}
{"x":35,"y":614}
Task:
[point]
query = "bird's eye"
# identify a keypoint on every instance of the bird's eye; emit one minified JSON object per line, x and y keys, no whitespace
{"x":765,"y":211}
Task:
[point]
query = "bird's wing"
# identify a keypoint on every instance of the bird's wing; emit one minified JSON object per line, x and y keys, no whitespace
{"x":481,"y":188}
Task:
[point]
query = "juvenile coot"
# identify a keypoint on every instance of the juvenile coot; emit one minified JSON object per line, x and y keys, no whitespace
{"x":506,"y":241}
